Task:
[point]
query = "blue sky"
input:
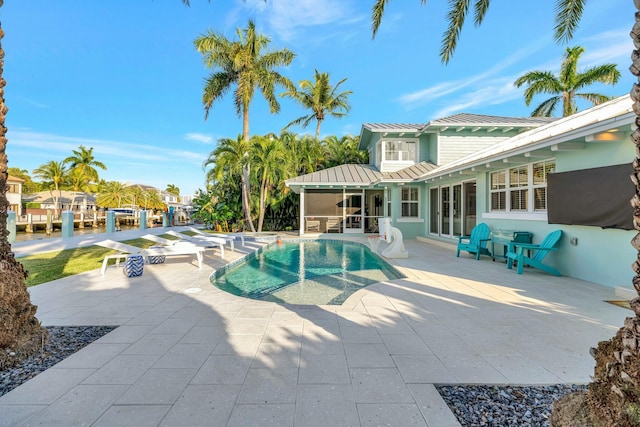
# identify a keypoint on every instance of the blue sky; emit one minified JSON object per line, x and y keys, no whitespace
{"x":124,"y":78}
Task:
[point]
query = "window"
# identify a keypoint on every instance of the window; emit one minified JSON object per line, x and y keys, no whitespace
{"x":399,"y":151}
{"x":521,"y":189}
{"x":12,"y":188}
{"x":410,"y":202}
{"x":498,"y":191}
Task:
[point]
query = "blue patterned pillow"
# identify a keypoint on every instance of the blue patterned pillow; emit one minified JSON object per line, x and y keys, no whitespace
{"x":133,"y":266}
{"x":156,"y":259}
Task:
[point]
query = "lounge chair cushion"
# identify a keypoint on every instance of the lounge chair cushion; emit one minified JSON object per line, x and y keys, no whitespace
{"x":133,"y":266}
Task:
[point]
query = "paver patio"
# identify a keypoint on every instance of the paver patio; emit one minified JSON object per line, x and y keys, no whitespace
{"x":186,"y":353}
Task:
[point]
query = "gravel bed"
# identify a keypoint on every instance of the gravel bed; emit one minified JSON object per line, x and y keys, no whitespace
{"x":504,"y":406}
{"x":64,"y":341}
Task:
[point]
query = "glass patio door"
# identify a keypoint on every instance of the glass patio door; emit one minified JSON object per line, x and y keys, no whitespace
{"x":433,"y":210}
{"x":445,"y":211}
{"x":456,"y":211}
{"x":353,"y":213}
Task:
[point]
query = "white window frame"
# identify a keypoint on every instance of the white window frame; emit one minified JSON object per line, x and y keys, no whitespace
{"x":403,"y":155}
{"x":507,"y":187}
{"x":410,"y":202}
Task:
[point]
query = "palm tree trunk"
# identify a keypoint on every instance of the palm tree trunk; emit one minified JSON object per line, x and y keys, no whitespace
{"x":20,"y":331}
{"x":263,"y":197}
{"x":615,"y":388}
{"x":246,"y":173}
{"x":318,"y":124}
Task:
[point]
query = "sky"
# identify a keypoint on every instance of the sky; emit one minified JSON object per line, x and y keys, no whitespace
{"x":123,"y":76}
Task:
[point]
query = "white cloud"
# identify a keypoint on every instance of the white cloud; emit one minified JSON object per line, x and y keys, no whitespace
{"x":286,"y":18}
{"x":199,"y":137}
{"x":427,"y":95}
{"x":60,"y":147}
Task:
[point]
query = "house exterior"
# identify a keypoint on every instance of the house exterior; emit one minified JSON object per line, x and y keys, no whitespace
{"x":14,"y":194}
{"x":438,"y":180}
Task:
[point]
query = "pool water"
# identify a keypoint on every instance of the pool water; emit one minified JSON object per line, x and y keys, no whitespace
{"x":306,"y":272}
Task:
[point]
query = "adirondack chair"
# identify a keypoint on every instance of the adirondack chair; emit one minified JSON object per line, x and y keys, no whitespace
{"x":516,"y":252}
{"x":476,"y":243}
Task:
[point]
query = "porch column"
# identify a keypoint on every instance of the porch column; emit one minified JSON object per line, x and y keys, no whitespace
{"x":302,"y":225}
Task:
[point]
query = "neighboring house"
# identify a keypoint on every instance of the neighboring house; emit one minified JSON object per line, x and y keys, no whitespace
{"x":82,"y":202}
{"x":14,"y":194}
{"x":436,"y":181}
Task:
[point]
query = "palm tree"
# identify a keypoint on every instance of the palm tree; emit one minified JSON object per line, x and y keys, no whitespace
{"x":244,"y":64}
{"x":54,"y":175}
{"x":321,"y":98}
{"x":612,"y":396}
{"x":342,"y":151}
{"x":83,"y":165}
{"x":267,"y":155}
{"x":112,"y":195}
{"x":173,"y":189}
{"x":228,"y":161}
{"x":567,"y":84}
{"x":568,"y":14}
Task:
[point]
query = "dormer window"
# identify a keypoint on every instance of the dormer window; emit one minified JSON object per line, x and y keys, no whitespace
{"x":400,"y":151}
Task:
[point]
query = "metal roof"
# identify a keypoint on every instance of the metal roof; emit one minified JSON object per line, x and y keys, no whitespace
{"x":410,"y":173}
{"x":393,"y":127}
{"x":464,"y":119}
{"x":350,"y":174}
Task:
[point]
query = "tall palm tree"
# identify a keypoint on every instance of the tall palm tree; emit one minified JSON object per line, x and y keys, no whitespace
{"x":245,"y":64}
{"x":321,"y":98}
{"x":83,"y":165}
{"x":54,"y":175}
{"x":612,"y":396}
{"x":267,"y":155}
{"x":567,"y":84}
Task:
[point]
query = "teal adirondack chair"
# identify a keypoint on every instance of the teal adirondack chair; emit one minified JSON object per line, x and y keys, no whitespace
{"x":516,"y":253}
{"x":477,"y":242}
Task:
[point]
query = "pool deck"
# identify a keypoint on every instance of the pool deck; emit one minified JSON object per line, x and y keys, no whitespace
{"x":188,"y":354}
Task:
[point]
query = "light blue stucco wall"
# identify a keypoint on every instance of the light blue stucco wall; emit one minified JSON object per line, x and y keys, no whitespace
{"x":410,"y":228}
{"x":602,"y":256}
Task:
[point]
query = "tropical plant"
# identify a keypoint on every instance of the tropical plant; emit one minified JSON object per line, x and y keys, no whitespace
{"x":28,"y":186}
{"x":242,"y":63}
{"x":321,"y":98}
{"x":82,"y":165}
{"x":112,"y":194}
{"x":343,"y":151}
{"x":567,"y":84}
{"x":267,"y":155}
{"x":613,"y":395}
{"x":54,"y":175}
{"x":173,"y":189}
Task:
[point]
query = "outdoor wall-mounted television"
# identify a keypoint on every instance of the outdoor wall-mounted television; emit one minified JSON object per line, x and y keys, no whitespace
{"x":596,"y":197}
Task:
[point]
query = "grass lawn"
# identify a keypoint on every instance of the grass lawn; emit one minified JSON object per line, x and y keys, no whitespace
{"x":45,"y":267}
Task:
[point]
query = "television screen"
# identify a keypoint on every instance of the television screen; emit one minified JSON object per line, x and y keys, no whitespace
{"x":596,"y":197}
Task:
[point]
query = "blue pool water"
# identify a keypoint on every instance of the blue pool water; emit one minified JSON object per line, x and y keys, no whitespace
{"x":306,"y":272}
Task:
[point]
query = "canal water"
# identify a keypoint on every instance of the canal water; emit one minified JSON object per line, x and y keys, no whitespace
{"x":22,"y":236}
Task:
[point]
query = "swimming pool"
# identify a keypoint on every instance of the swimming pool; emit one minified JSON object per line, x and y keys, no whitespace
{"x":305,"y":272}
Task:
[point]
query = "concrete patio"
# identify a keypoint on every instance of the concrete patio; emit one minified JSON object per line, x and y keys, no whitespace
{"x":188,"y":354}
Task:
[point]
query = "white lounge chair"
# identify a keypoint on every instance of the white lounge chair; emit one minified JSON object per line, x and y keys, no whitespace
{"x":200,"y":239}
{"x":125,"y":250}
{"x":182,"y":242}
{"x":221,"y":236}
